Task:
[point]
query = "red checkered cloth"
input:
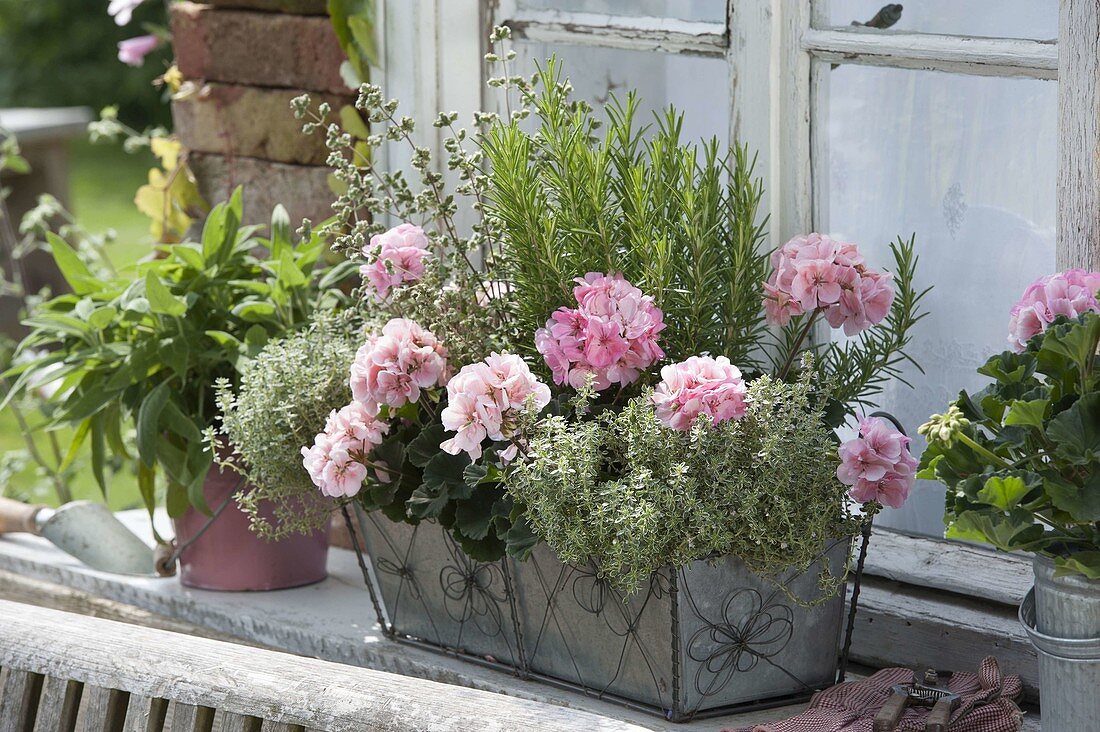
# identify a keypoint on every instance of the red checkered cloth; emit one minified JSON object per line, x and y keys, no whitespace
{"x":988,"y":704}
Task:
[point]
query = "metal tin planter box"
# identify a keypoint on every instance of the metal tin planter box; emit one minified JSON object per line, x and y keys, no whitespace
{"x":699,"y":641}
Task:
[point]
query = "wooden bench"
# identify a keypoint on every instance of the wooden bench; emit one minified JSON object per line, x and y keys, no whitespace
{"x":63,"y":672}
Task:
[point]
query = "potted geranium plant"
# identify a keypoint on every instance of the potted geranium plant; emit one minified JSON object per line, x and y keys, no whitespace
{"x":150,"y":347}
{"x":1021,"y":460}
{"x":590,"y":458}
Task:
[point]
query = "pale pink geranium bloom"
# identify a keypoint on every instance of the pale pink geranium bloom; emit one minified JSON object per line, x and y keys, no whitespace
{"x":877,"y":464}
{"x":484,"y":399}
{"x":123,"y":10}
{"x":392,"y":368}
{"x":336,"y":463}
{"x":611,"y":335}
{"x":701,"y":385}
{"x":815,"y":274}
{"x":133,"y":51}
{"x":395,"y":257}
{"x":816,"y":283}
{"x":1068,"y":293}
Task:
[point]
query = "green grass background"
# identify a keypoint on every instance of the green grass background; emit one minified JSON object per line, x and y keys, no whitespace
{"x":103,"y":180}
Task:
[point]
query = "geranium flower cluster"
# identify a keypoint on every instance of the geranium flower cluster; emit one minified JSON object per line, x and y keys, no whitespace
{"x":878,"y":465}
{"x":392,"y":368}
{"x":815,"y":273}
{"x":611,"y":334}
{"x":484,"y":399}
{"x":1068,"y":293}
{"x":394,"y":258}
{"x":699,"y":385}
{"x":337,"y":461}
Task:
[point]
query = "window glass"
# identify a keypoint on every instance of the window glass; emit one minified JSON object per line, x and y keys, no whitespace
{"x":696,"y":86}
{"x":967,"y":163}
{"x":1037,"y":19}
{"x":713,"y":11}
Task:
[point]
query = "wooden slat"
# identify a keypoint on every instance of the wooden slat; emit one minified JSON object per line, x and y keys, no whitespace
{"x":667,"y":35}
{"x":58,"y":705}
{"x":270,"y":726}
{"x":145,"y":714}
{"x":240,"y":723}
{"x":910,"y":626}
{"x":956,"y":54}
{"x":252,"y":681}
{"x":19,"y":700}
{"x":104,"y":708}
{"x":1079,"y":135}
{"x":950,"y":566}
{"x":191,"y":718}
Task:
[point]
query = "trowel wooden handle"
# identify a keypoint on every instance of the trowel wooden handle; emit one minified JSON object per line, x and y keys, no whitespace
{"x":18,"y":517}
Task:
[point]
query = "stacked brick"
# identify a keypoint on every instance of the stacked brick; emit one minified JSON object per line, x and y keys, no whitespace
{"x":248,"y":59}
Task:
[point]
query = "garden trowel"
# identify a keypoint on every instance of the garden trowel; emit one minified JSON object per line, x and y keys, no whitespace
{"x":83,"y":529}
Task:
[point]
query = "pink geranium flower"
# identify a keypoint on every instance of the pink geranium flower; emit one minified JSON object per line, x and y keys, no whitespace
{"x":877,"y":464}
{"x":1068,"y":293}
{"x":815,"y":274}
{"x":701,"y":385}
{"x":609,"y":337}
{"x":395,"y":258}
{"x":337,"y":461}
{"x":394,"y":367}
{"x":484,"y":399}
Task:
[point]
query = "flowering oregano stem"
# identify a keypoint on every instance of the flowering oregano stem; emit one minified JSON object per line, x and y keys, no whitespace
{"x":796,"y":345}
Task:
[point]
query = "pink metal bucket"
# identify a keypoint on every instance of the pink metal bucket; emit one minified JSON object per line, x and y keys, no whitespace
{"x":229,"y":556}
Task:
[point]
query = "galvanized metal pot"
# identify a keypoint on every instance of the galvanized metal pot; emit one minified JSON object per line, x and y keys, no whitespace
{"x":1062,"y":617}
{"x":700,"y":640}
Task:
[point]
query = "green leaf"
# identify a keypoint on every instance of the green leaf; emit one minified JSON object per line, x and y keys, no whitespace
{"x":1076,"y":341}
{"x":147,"y":486}
{"x":1004,"y":492}
{"x":79,"y":436}
{"x":98,"y":452}
{"x":72,"y":268}
{"x":148,"y":423}
{"x":990,"y":526}
{"x":288,"y":273}
{"x":474,"y":516}
{"x":425,"y":446}
{"x":161,"y":300}
{"x":199,"y":463}
{"x":1076,"y":431}
{"x":521,"y":539}
{"x":1082,"y":502}
{"x":101,"y":317}
{"x":190,"y":255}
{"x":1028,"y":414}
{"x":224,"y":339}
{"x":174,"y":420}
{"x":353,"y":123}
{"x":254,"y":311}
{"x":1086,"y":563}
{"x":442,"y":483}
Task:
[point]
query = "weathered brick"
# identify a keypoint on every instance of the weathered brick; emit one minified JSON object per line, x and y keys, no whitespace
{"x":244,"y":120}
{"x":261,"y":49}
{"x":297,"y":7}
{"x":302,"y":189}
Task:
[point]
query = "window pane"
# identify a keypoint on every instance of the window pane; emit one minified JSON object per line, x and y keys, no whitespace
{"x":696,"y":86}
{"x":1037,"y":19}
{"x":968,"y":164}
{"x":713,"y":11}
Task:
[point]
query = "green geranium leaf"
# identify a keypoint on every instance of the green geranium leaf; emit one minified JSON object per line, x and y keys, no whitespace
{"x":474,"y":516}
{"x":1082,"y":502}
{"x":1086,"y":563}
{"x":1004,"y":492}
{"x":1028,"y":414}
{"x":1076,"y":431}
{"x":425,"y":445}
{"x":1075,"y":340}
{"x":990,"y":527}
{"x":521,"y":539}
